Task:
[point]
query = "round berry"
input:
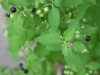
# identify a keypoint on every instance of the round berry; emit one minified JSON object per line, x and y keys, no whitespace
{"x":88,"y":38}
{"x":77,"y":32}
{"x":90,"y":71}
{"x":12,"y":16}
{"x":38,"y":11}
{"x":33,"y":9}
{"x":46,"y":9}
{"x":82,"y":27}
{"x":71,"y":73}
{"x":7,"y":14}
{"x":13,"y":9}
{"x":77,"y":36}
{"x":87,"y":74}
{"x":41,"y":15}
{"x":25,"y":71}
{"x":69,"y":14}
{"x":20,"y":64}
{"x":84,"y":20}
{"x":66,"y":67}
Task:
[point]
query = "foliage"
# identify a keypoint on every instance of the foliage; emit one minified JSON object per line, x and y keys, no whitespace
{"x":50,"y":31}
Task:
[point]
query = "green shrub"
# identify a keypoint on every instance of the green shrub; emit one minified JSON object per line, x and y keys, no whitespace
{"x":50,"y":31}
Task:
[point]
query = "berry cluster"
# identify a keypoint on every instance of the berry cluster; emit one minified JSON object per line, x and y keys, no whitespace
{"x":89,"y":72}
{"x":24,"y":70}
{"x":77,"y":36}
{"x":68,"y":71}
{"x":39,"y":12}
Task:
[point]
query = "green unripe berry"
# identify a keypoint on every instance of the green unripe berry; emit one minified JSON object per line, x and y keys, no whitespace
{"x":46,"y":9}
{"x":87,"y":74}
{"x":38,"y":12}
{"x":66,"y":72}
{"x":77,"y":36}
{"x":66,"y":67}
{"x":77,"y":32}
{"x":12,"y":16}
{"x":71,"y":73}
{"x":84,"y":20}
{"x":41,"y":15}
{"x":90,"y":71}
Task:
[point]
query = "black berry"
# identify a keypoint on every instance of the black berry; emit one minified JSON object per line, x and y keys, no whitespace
{"x":33,"y":9}
{"x":7,"y":14}
{"x":88,"y":38}
{"x":13,"y":9}
{"x":25,"y":71}
{"x":20,"y":64}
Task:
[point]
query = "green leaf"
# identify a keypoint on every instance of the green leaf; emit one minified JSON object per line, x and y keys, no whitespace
{"x":54,"y":17}
{"x":13,"y":43}
{"x":83,"y":7}
{"x":79,"y":47}
{"x":5,"y":5}
{"x":56,"y":47}
{"x":53,"y":56}
{"x":41,"y":50}
{"x":93,"y":65}
{"x":48,"y":39}
{"x":41,"y":1}
{"x":14,"y":46}
{"x":14,"y":54}
{"x":37,"y":20}
{"x":85,"y":57}
{"x":91,"y":1}
{"x":64,"y":49}
{"x":92,"y":14}
{"x":43,"y":30}
{"x":28,"y":22}
{"x":2,"y":68}
{"x":88,"y":30}
{"x":47,"y":67}
{"x":37,"y":4}
{"x":63,"y":23}
{"x":37,"y":65}
{"x":17,"y":24}
{"x":52,"y":30}
{"x":80,"y":15}
{"x":27,"y":64}
{"x":96,"y":51}
{"x":81,"y":72}
{"x":69,"y":33}
{"x":69,"y":3}
{"x":22,"y":3}
{"x":32,"y":57}
{"x":59,"y":3}
{"x":72,"y":58}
